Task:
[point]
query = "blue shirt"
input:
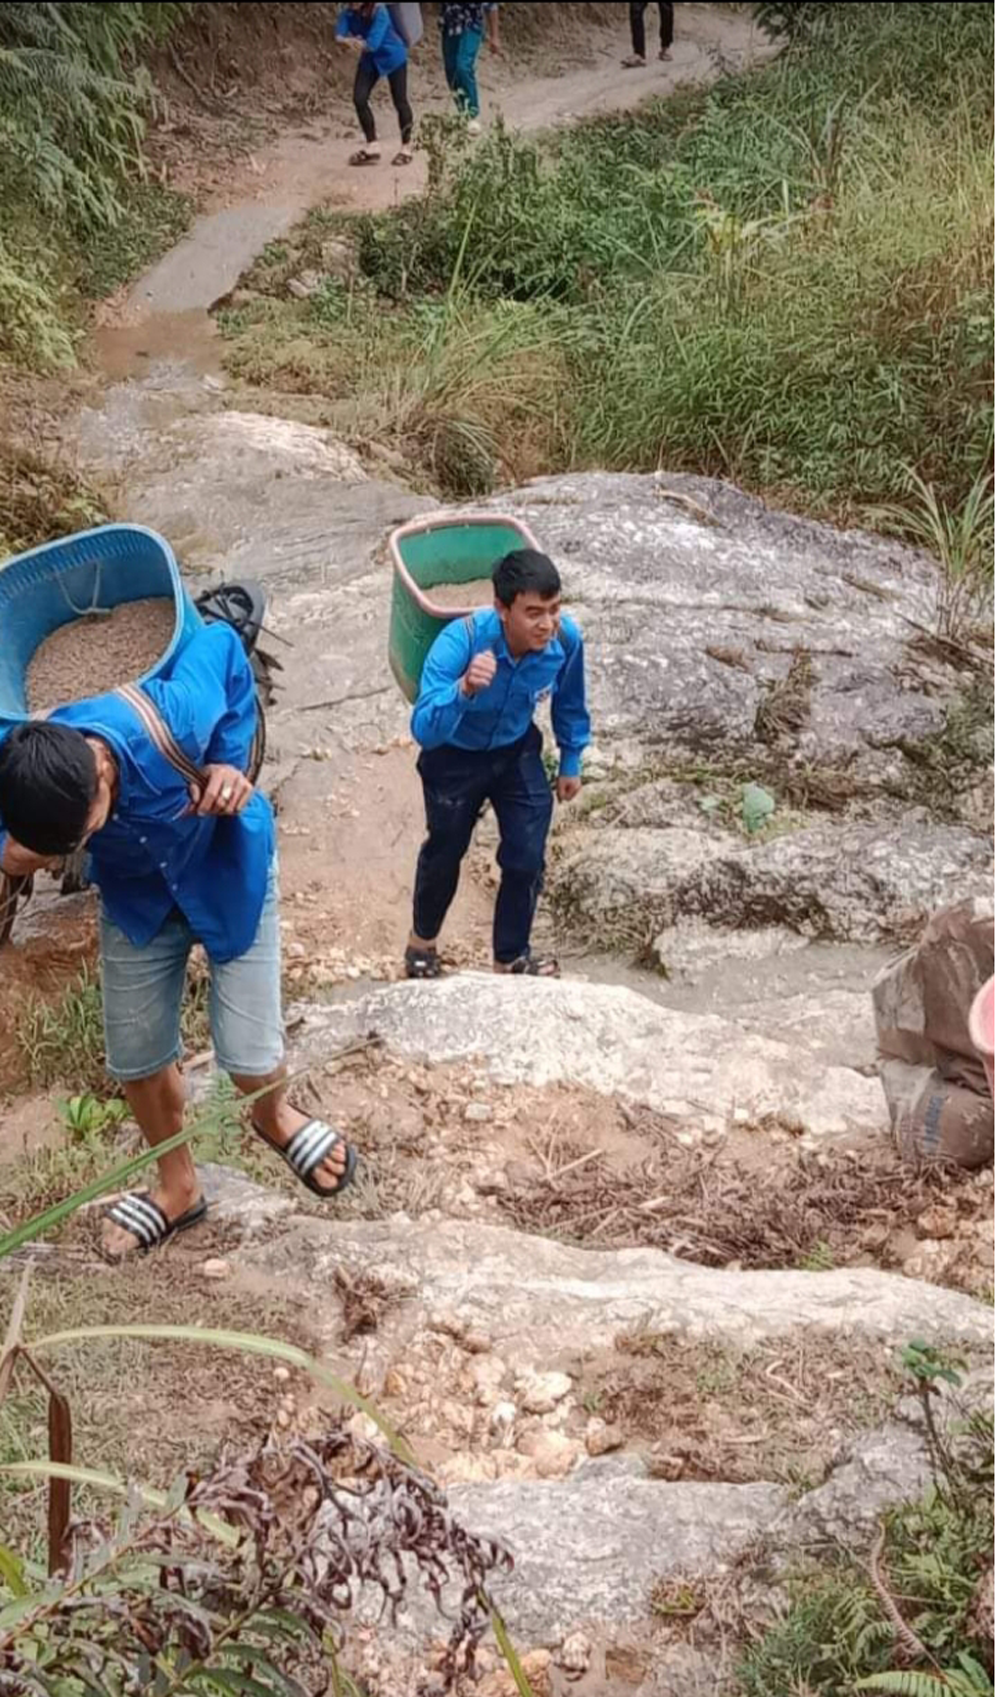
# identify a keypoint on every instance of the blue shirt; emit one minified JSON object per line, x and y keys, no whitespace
{"x":384,"y":46}
{"x":502,"y":713}
{"x":154,"y":855}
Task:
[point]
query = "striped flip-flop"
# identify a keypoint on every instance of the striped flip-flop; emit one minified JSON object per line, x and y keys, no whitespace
{"x":145,"y":1220}
{"x":308,"y":1149}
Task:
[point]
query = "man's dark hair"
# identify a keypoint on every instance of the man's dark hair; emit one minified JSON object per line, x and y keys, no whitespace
{"x":48,"y":781}
{"x":525,"y":571}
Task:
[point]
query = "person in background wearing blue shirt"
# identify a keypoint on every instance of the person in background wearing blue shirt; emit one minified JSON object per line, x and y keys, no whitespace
{"x":370,"y":32}
{"x":475,"y":722}
{"x":182,"y":850}
{"x":461,"y":38}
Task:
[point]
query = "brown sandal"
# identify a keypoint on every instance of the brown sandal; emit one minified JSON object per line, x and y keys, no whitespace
{"x":364,"y":157}
{"x":529,"y":966}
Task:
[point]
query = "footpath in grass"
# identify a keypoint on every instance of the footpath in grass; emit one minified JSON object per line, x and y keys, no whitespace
{"x":784,"y":280}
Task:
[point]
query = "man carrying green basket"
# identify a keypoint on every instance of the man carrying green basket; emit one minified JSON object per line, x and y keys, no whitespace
{"x":475,"y":722}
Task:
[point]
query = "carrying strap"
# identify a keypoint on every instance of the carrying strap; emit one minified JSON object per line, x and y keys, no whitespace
{"x":160,"y":735}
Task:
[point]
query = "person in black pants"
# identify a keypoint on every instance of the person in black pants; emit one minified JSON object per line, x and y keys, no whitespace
{"x":474,"y":719}
{"x":637,"y":20}
{"x":371,"y":32}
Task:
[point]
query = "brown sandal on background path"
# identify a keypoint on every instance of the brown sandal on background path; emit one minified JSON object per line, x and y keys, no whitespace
{"x":633,"y":63}
{"x":403,"y":157}
{"x":365,"y":156}
{"x":529,"y":966}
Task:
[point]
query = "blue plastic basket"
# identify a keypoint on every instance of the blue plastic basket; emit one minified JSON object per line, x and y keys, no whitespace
{"x":96,"y":569}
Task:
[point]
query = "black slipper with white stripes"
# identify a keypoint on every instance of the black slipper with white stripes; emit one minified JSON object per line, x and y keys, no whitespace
{"x":144,"y":1219}
{"x":308,"y":1148}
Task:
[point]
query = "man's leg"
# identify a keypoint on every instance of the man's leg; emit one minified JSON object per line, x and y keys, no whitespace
{"x":455,"y":788}
{"x":404,"y":111}
{"x":248,"y":1036}
{"x":449,"y":52}
{"x":142,"y":992}
{"x":466,"y":87}
{"x":666,"y":31}
{"x":637,"y":25}
{"x":364,"y":81}
{"x":522,"y":801}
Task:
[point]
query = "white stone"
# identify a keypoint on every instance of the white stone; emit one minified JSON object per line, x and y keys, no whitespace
{"x":540,"y":1392}
{"x":552,"y":1453}
{"x":549,"y":1031}
{"x":502,"y":1417}
{"x":540,"y":1299}
{"x":575,"y":1653}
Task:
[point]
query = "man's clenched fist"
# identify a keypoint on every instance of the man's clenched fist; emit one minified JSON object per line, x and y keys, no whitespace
{"x":482,"y":670}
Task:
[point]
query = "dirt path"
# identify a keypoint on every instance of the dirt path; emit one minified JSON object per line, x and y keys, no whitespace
{"x":268,"y":193}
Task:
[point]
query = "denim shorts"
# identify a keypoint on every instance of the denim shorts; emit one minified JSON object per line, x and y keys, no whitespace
{"x":144,"y":992}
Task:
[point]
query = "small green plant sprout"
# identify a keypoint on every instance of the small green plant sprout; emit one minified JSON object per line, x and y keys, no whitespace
{"x":758,"y":806}
{"x":86,"y":1117}
{"x":930,"y":1370}
{"x":677,"y":1599}
{"x":968,"y":1679}
{"x":927,"y":1366}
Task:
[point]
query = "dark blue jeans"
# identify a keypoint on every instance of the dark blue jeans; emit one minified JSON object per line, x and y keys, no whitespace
{"x":457,"y":786}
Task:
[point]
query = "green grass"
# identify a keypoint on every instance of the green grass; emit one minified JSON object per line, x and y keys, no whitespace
{"x":152,"y":219}
{"x":74,"y":94}
{"x":41,"y":499}
{"x":837,"y":1632}
{"x":62,"y":1041}
{"x":910,"y":1618}
{"x":785,"y":280}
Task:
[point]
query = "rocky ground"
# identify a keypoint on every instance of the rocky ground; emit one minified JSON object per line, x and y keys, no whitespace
{"x":630,"y":1262}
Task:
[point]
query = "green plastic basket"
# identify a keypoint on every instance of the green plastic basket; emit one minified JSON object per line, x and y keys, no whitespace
{"x":440,"y":549}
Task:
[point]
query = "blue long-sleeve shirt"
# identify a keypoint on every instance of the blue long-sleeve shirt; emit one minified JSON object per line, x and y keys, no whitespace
{"x":153,"y":854}
{"x":501,"y":714}
{"x":384,"y":46}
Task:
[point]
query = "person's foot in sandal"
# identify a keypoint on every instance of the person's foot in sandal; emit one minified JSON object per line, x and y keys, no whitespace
{"x":634,"y":62}
{"x":318,"y":1154}
{"x":665,"y":54}
{"x":403,"y":157}
{"x":422,"y":960}
{"x":143,"y":1220}
{"x":366,"y":156}
{"x":529,"y":966}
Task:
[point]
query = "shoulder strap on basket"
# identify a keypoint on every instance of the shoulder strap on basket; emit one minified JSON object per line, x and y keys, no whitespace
{"x":159,"y":734}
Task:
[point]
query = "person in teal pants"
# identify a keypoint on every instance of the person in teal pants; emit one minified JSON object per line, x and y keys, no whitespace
{"x":462,"y":29}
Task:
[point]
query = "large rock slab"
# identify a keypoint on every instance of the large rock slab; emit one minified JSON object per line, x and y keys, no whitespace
{"x":697,"y":602}
{"x":590,"y":1550}
{"x":544,"y":1031}
{"x":852,"y":882}
{"x":536,"y":1299}
{"x":835,"y":880}
{"x":661,"y":571}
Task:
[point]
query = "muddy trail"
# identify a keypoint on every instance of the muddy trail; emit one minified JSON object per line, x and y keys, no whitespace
{"x":630,"y":1262}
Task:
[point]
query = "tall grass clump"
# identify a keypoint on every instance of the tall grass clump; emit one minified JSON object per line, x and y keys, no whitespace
{"x":73,"y":95}
{"x":785,"y":279}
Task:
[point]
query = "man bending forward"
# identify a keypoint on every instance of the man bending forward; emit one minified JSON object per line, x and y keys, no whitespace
{"x":474,"y":721}
{"x":182,"y":850}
